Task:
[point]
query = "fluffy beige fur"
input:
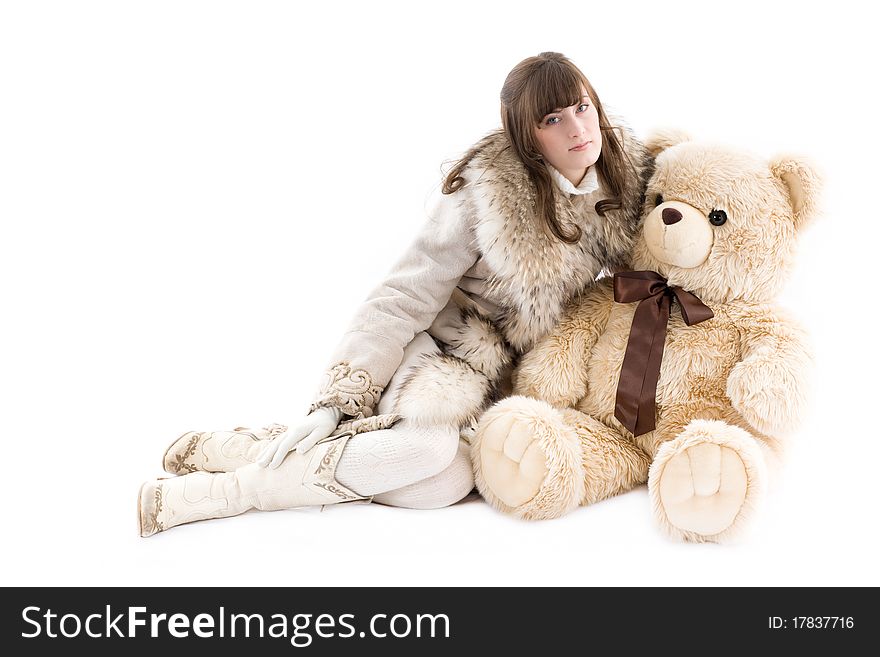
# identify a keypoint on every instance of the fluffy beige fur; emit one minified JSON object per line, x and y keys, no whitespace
{"x":529,"y":274}
{"x":730,"y":388}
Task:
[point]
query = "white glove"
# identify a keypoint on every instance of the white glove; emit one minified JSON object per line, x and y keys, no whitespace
{"x":317,"y":425}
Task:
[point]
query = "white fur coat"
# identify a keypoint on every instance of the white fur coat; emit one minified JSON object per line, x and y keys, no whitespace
{"x":485,"y":281}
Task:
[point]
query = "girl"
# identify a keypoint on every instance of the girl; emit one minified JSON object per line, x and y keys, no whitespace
{"x":529,"y":216}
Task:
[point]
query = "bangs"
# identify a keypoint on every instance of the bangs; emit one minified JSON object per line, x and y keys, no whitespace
{"x":552,"y":88}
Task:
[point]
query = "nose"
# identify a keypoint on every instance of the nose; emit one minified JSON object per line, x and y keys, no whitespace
{"x":671,"y":216}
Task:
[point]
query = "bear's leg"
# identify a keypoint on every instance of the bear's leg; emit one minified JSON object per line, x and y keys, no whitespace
{"x":535,"y":461}
{"x":612,"y":464}
{"x":705,"y":482}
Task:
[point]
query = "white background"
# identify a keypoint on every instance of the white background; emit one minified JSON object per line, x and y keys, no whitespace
{"x":195,"y":196}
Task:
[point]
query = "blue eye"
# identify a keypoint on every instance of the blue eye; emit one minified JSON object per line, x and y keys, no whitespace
{"x":553,"y":120}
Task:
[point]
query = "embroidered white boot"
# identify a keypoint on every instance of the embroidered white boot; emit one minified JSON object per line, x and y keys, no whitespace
{"x":225,"y":451}
{"x":301,"y":480}
{"x":217,"y":451}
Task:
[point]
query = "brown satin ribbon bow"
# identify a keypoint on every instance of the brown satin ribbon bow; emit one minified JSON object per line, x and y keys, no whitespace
{"x":637,"y":387}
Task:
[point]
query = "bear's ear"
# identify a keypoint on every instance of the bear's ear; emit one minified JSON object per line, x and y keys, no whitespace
{"x":802,"y":181}
{"x":660,"y":140}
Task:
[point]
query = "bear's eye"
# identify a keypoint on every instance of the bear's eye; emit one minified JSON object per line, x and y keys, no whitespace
{"x":658,"y":200}
{"x":717,"y":217}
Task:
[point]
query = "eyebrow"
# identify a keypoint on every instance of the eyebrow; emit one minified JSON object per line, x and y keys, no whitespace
{"x":559,"y":109}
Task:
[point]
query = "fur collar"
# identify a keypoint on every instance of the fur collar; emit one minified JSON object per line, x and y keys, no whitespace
{"x":535,"y":274}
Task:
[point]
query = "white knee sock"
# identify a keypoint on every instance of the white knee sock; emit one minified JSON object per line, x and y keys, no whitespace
{"x":378,"y":461}
{"x":443,"y":489}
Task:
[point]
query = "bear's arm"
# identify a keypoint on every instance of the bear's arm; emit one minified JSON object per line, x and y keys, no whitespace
{"x":555,"y":368}
{"x":768,"y":387}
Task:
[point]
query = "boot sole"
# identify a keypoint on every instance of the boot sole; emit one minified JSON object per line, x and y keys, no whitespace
{"x":144,"y":532}
{"x":140,"y":510}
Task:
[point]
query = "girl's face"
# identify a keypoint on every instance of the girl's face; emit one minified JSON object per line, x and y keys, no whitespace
{"x":569,"y":138}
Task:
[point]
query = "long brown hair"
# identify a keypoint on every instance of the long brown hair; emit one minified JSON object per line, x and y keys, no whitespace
{"x":534,"y":88}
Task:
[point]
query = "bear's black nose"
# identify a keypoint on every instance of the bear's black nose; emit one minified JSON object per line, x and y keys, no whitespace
{"x":671,"y":216}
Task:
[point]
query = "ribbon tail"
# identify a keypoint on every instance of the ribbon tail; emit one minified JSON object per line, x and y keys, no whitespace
{"x":635,"y":383}
{"x":646,"y":421}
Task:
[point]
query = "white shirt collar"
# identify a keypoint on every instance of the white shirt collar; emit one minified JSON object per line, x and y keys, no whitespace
{"x":589,"y":184}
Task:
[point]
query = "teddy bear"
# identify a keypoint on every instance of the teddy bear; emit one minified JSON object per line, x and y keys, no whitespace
{"x":681,"y":373}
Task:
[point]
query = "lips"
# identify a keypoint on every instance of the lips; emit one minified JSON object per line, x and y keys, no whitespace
{"x":581,"y":147}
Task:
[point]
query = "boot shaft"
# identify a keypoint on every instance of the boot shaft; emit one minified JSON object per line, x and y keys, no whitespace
{"x":301,"y":480}
{"x":217,"y":451}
